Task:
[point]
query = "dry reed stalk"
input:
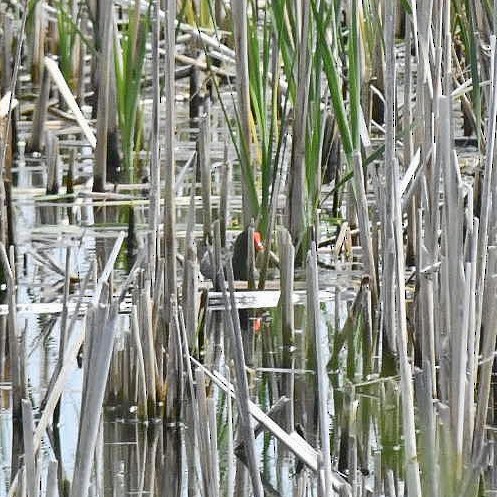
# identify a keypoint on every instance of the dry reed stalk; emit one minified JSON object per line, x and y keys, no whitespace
{"x":106,"y":273}
{"x":6,"y":21}
{"x":218,"y":256}
{"x":224,"y":202}
{"x":232,"y":322}
{"x":388,"y":276}
{"x":391,"y":487}
{"x":30,"y":468}
{"x":149,"y":466}
{"x":105,"y":61}
{"x":61,"y":84}
{"x":170,"y":288}
{"x":190,"y":164}
{"x":195,"y":469}
{"x":487,"y":193}
{"x":251,"y":257}
{"x":16,"y":360}
{"x":150,"y":354}
{"x":7,"y":104}
{"x":53,"y":164}
{"x":47,"y":262}
{"x":208,"y":40}
{"x":473,"y":339}
{"x":64,"y":330}
{"x":393,"y":210}
{"x":353,"y":434}
{"x":364,"y":224}
{"x":409,"y":187}
{"x":214,"y":455}
{"x":427,"y":321}
{"x":141,"y":376}
{"x":35,"y":143}
{"x":457,"y":282}
{"x":210,"y":69}
{"x":204,"y":161}
{"x":296,"y":194}
{"x":428,"y":430}
{"x":489,"y":318}
{"x":155,"y":197}
{"x":191,"y":217}
{"x":158,"y":293}
{"x":190,"y":301}
{"x":10,"y":88}
{"x":51,"y":488}
{"x":205,"y":439}
{"x":239,"y":10}
{"x":287,"y":259}
{"x":173,"y":475}
{"x":407,"y":121}
{"x":321,"y":344}
{"x":412,"y":464}
{"x":230,"y":451}
{"x":464,"y":420}
{"x":174,"y":384}
{"x":99,"y":362}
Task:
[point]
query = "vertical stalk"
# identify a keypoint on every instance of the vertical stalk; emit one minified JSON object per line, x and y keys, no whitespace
{"x":169,"y":195}
{"x":242,"y":392}
{"x":321,"y":344}
{"x":204,"y":159}
{"x":104,"y":62}
{"x":35,"y":143}
{"x":15,"y":360}
{"x":488,"y":188}
{"x":287,"y":256}
{"x":354,"y":155}
{"x":406,"y":378}
{"x":296,"y":197}
{"x":239,"y":11}
{"x":154,"y":206}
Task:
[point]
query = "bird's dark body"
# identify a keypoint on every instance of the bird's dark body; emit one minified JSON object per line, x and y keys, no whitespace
{"x":240,"y":264}
{"x":240,"y":257}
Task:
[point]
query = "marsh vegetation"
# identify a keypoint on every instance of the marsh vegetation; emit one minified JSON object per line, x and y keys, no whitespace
{"x":248,"y":248}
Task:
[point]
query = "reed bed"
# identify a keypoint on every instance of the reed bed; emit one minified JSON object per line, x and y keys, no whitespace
{"x":139,"y":139}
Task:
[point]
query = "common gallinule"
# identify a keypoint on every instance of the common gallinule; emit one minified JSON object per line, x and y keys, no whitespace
{"x":240,"y":256}
{"x":240,"y":263}
{"x":240,"y":260}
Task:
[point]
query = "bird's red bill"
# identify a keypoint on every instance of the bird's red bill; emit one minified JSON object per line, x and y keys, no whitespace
{"x":258,"y":241}
{"x":257,"y":325}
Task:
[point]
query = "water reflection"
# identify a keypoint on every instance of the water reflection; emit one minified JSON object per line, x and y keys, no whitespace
{"x":137,"y":458}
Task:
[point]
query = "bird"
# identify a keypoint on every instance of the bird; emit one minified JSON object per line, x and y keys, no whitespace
{"x":240,"y":256}
{"x":240,"y":264}
{"x":240,"y":259}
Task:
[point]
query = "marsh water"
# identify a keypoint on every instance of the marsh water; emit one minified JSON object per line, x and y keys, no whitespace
{"x":134,"y":456}
{"x":137,"y":456}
